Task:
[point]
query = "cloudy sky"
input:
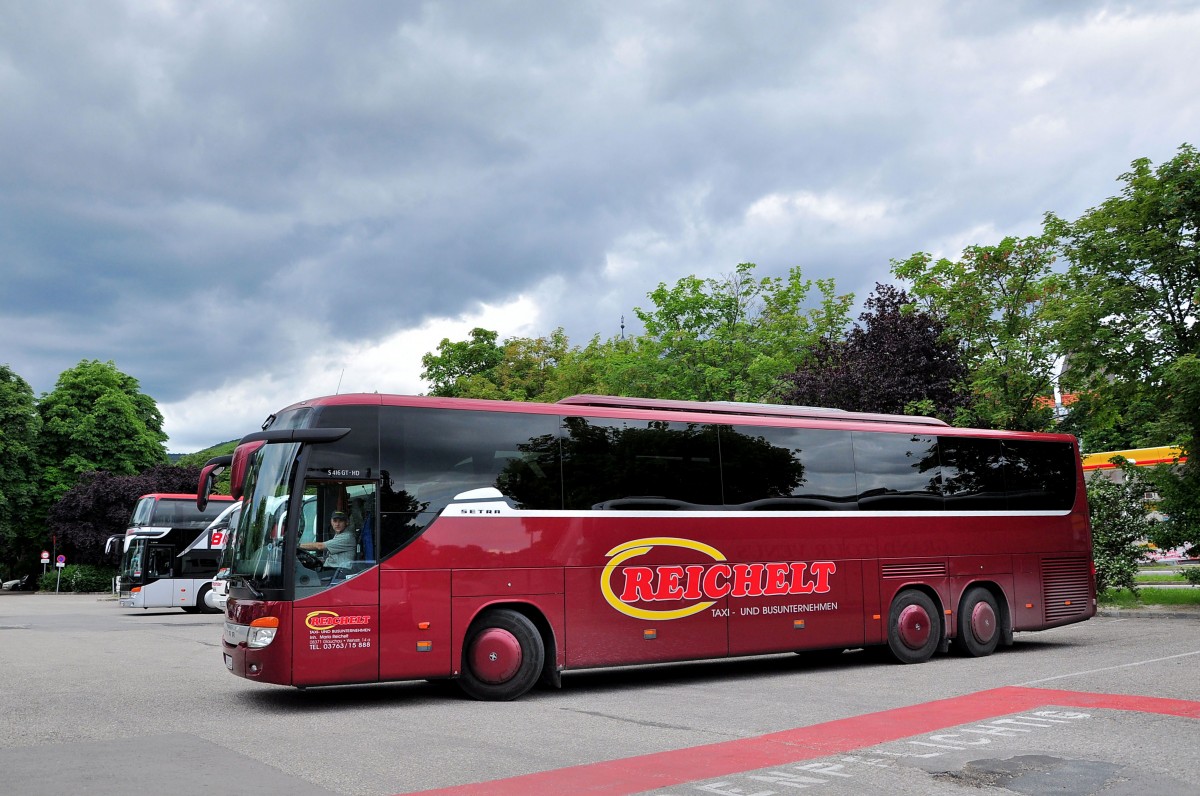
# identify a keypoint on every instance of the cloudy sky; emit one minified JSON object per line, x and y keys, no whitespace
{"x":243,"y":204}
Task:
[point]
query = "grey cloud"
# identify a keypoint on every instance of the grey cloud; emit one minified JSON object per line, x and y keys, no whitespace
{"x":350,"y":169}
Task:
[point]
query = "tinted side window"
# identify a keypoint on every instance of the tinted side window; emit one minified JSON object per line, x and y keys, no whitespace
{"x":639,"y":464}
{"x":190,"y":566}
{"x":897,"y":472}
{"x":431,"y":455}
{"x":780,"y":469}
{"x":355,"y":455}
{"x":1039,"y":475}
{"x":972,"y":474}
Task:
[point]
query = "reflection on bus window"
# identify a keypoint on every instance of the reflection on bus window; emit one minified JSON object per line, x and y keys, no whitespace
{"x":639,"y":464}
{"x":445,"y":453}
{"x":897,"y":472}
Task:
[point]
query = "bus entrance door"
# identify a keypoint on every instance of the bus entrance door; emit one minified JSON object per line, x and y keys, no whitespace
{"x":335,"y":622}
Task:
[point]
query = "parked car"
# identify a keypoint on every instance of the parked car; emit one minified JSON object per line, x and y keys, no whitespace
{"x":23,"y":583}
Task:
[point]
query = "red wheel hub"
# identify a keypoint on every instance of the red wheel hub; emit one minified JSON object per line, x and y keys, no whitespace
{"x":983,"y":622}
{"x":495,"y":655}
{"x":914,"y":627}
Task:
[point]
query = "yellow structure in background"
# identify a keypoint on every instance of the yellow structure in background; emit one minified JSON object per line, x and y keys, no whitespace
{"x":1140,"y":457}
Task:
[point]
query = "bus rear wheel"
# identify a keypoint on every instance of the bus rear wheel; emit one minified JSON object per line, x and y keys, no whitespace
{"x":914,"y":629}
{"x":503,"y":656}
{"x":978,"y":623}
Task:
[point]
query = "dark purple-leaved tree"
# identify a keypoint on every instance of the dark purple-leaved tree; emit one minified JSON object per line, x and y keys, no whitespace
{"x":99,"y":505}
{"x":895,"y":359}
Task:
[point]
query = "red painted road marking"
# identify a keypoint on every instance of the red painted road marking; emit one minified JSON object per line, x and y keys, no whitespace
{"x":666,"y":769}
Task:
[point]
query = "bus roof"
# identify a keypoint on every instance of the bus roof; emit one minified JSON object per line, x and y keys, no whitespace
{"x":655,"y":408}
{"x":752,"y":409}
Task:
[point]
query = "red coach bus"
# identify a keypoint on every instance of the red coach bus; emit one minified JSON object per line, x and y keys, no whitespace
{"x":503,"y":543}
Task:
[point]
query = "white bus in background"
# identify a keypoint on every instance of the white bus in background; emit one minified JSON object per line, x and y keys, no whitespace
{"x":171,"y":552}
{"x":220,"y":583}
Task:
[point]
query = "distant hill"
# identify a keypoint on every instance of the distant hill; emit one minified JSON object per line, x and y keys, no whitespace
{"x":198,"y":458}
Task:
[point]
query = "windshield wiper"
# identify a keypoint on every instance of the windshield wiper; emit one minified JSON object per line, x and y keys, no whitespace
{"x":244,"y":580}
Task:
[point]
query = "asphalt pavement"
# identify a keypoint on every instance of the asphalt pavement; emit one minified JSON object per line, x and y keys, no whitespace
{"x":103,"y":700}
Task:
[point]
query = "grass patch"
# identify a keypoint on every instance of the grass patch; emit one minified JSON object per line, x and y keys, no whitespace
{"x":1160,"y":578}
{"x":1123,"y":598}
{"x":1118,"y":598}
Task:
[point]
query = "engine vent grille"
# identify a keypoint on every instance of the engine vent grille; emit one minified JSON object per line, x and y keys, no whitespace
{"x":917,"y":569}
{"x":1066,"y":587}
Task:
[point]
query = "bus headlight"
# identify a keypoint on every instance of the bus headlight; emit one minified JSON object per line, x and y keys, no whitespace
{"x":262,"y":632}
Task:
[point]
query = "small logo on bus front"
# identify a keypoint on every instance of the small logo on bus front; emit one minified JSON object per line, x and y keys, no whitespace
{"x":328,"y":620}
{"x":702,"y":584}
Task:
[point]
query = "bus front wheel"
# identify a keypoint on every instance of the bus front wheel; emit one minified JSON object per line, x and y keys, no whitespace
{"x":202,"y":602}
{"x":978,"y":623}
{"x":914,"y":627}
{"x":503,"y":656}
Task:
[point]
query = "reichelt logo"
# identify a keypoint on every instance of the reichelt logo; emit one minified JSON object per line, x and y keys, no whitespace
{"x":328,"y":620}
{"x":702,"y":584}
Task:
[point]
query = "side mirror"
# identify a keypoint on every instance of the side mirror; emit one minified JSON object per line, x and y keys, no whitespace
{"x":208,"y":479}
{"x":240,"y":462}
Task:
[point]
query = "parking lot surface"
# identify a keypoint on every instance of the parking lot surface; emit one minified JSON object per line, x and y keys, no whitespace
{"x":101,"y":700}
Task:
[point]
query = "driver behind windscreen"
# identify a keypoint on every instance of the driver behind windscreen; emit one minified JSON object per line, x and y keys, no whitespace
{"x":340,"y":549}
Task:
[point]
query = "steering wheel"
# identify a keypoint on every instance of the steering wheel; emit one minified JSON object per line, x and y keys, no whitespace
{"x":309,"y":559}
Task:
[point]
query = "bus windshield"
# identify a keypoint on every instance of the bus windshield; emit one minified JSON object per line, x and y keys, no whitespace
{"x":131,"y":563}
{"x":259,"y":541}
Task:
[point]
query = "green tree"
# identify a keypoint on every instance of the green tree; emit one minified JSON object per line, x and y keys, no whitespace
{"x":19,"y":428}
{"x":100,"y":503}
{"x":526,"y":371}
{"x":1131,"y":329}
{"x":1119,"y":522}
{"x":895,"y":360}
{"x":1178,"y":486}
{"x":727,"y":339}
{"x":96,"y":418}
{"x":519,"y":369}
{"x":456,"y":363}
{"x":1135,"y":277}
{"x":1000,"y":302}
{"x":715,"y":339}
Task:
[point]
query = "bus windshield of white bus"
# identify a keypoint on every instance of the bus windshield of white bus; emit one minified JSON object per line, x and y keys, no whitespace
{"x":172,"y":512}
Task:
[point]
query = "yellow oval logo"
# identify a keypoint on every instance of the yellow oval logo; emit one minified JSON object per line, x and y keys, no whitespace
{"x":638,"y":547}
{"x":321,"y":620}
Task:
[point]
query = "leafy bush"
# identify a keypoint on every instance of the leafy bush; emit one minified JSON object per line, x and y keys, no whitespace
{"x":99,"y":504}
{"x":79,"y":578}
{"x":1192,"y":575}
{"x":1119,"y":523}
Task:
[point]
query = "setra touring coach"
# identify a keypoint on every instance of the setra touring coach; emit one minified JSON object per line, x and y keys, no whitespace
{"x":501,"y":544}
{"x":170,"y":552}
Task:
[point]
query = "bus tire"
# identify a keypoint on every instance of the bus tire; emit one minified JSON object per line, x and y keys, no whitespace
{"x":202,"y":606}
{"x":502,"y":656}
{"x":978,"y":623}
{"x":914,"y":627}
